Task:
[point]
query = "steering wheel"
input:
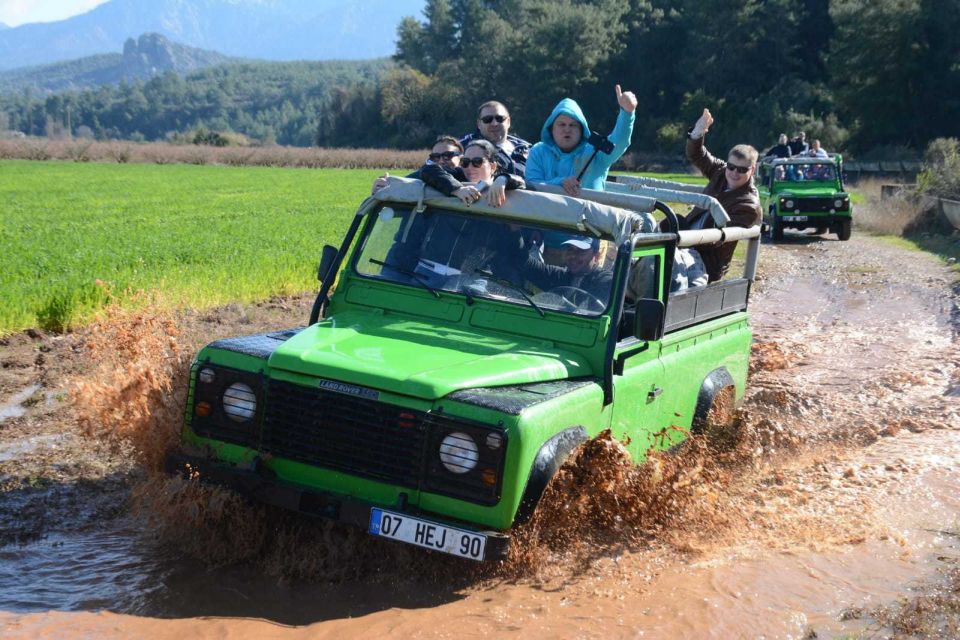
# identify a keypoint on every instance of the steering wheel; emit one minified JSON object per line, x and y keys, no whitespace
{"x":579,"y":298}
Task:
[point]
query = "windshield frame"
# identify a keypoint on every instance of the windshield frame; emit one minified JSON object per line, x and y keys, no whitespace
{"x":360,"y":256}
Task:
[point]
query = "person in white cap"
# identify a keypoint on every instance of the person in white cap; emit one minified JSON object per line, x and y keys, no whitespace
{"x":582,"y":280}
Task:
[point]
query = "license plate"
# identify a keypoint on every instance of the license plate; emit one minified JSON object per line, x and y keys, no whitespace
{"x":795,"y":218}
{"x":430,"y":535}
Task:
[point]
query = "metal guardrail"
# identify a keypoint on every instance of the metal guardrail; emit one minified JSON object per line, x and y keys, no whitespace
{"x":903,"y":170}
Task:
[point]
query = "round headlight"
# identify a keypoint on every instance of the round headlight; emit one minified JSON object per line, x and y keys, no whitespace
{"x":494,"y":440}
{"x":207,"y":375}
{"x":789,"y":204}
{"x":239,"y":402}
{"x":458,"y":452}
{"x":838,"y":203}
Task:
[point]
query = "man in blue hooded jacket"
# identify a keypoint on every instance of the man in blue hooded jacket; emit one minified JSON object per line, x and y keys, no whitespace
{"x":563,"y":150}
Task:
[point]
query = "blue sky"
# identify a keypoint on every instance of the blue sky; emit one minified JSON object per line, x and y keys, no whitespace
{"x":17,"y":12}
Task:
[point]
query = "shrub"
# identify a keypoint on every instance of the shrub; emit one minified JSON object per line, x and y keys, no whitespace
{"x":941,"y":174}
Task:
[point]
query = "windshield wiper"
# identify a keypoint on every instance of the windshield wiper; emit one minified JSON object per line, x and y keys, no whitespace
{"x":506,"y":283}
{"x":407,"y":272}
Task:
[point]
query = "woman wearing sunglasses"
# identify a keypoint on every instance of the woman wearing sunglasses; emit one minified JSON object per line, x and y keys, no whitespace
{"x":478,"y":165}
{"x":731,"y":183}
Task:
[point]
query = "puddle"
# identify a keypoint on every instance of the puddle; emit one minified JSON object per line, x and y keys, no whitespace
{"x":14,"y":408}
{"x":17,"y":448}
{"x":870,"y":355}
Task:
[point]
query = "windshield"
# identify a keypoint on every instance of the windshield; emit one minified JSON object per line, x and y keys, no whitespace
{"x":480,"y":257}
{"x":805,"y":172}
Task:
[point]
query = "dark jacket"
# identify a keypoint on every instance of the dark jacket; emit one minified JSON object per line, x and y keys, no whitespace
{"x":447,"y":182}
{"x":597,"y":282}
{"x":779,"y":151}
{"x":798,"y":146}
{"x":741,"y":204}
{"x":514,"y":163}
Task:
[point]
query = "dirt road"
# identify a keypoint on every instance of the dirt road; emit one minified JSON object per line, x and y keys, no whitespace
{"x":838,"y":515}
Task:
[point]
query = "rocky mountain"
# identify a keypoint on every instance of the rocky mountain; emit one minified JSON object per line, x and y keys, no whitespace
{"x":267,"y":29}
{"x":142,"y":58}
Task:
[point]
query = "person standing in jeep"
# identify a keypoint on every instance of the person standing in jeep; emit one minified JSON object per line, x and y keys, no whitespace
{"x":731,"y":183}
{"x":493,"y":125}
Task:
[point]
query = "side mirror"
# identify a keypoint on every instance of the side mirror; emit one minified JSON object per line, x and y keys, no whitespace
{"x":600,"y":142}
{"x":648,"y":319}
{"x":327,"y":258}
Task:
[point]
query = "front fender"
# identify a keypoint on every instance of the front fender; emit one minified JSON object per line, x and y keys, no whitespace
{"x":549,"y":459}
{"x":713,"y":384}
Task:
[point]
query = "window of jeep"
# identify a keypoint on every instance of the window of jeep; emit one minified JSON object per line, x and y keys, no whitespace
{"x":805,"y":172}
{"x":484,"y":257}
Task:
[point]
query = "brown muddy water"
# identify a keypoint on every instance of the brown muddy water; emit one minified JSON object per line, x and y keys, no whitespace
{"x":840,"y":497}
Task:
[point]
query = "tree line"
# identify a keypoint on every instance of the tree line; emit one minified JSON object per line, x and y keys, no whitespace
{"x":879,"y":76}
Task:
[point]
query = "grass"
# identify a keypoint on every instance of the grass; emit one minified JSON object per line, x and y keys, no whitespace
{"x":689,"y":178}
{"x":75,"y":234}
{"x":79,"y":235}
{"x":944,"y":247}
{"x":906,"y":223}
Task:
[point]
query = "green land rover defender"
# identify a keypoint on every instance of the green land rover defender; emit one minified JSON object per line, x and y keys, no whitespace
{"x":434,"y":394}
{"x":802,"y":193}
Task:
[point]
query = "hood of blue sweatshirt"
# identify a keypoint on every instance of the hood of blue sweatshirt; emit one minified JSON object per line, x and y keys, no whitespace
{"x":566,"y":107}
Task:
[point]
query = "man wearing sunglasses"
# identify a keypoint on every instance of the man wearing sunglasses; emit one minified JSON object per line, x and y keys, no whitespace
{"x":493,"y":125}
{"x":445,"y":153}
{"x":731,"y":183}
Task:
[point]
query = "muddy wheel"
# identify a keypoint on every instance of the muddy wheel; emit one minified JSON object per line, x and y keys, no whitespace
{"x":720,"y":426}
{"x":843,"y":230}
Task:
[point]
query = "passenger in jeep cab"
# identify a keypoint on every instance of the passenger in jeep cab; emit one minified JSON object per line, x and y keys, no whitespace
{"x":731,"y":183}
{"x":493,"y":125}
{"x":582,"y":279}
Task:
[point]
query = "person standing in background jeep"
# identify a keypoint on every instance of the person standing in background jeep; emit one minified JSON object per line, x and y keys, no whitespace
{"x":493,"y":125}
{"x":731,"y":183}
{"x":799,"y":144}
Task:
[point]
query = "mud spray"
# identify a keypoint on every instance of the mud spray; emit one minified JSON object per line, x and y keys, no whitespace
{"x":600,"y":503}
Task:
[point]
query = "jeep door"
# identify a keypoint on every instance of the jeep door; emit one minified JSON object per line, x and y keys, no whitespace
{"x":637,"y":418}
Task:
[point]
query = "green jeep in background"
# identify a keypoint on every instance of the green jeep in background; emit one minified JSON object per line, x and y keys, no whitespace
{"x":433,"y":396}
{"x":802,"y":193}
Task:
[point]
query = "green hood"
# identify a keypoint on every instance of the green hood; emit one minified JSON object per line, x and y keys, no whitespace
{"x":418,"y":358}
{"x":815,"y":190}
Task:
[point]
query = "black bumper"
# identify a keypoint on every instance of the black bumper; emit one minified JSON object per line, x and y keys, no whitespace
{"x":258,"y":485}
{"x":813,"y":220}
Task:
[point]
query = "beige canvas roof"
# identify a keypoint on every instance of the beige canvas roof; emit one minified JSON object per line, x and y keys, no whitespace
{"x":584,"y":216}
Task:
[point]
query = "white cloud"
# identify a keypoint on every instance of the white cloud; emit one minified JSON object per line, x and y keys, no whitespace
{"x":17,"y":12}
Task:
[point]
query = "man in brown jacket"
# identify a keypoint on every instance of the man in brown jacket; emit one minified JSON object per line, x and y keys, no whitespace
{"x":731,"y":183}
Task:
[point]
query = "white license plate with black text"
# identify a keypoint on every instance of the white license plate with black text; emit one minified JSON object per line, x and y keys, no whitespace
{"x":430,"y":535}
{"x":795,"y":218}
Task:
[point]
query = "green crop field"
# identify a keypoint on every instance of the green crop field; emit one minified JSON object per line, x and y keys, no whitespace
{"x":201,"y":235}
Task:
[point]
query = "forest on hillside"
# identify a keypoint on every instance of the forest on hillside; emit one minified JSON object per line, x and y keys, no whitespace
{"x":872,"y":78}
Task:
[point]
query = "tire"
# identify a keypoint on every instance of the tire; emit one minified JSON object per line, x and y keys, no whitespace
{"x":776,"y":229}
{"x":720,"y":426}
{"x":821,"y":230}
{"x":843,"y":230}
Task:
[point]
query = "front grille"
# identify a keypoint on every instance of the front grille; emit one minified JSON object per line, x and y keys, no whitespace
{"x":345,"y":433}
{"x":814,"y":204}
